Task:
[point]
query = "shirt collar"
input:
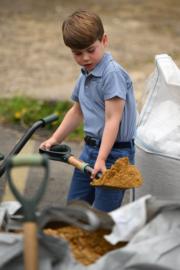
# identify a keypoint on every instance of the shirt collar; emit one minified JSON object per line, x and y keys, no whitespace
{"x":99,"y":68}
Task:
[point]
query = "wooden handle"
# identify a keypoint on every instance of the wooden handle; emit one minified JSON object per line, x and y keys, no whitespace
{"x":30,"y":246}
{"x":77,"y":163}
{"x":81,"y":165}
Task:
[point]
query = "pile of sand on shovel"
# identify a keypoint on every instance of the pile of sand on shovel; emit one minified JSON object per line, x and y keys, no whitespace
{"x":121,"y":175}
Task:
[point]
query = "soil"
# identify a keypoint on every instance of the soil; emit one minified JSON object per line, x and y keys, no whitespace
{"x":35,"y":62}
{"x":86,"y":247}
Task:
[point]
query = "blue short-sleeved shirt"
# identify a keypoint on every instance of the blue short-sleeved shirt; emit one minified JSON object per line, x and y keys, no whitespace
{"x":107,"y":80}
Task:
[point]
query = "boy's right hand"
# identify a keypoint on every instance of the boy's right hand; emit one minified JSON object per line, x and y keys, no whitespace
{"x":48,"y":143}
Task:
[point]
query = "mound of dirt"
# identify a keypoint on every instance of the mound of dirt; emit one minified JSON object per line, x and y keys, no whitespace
{"x":86,"y":246}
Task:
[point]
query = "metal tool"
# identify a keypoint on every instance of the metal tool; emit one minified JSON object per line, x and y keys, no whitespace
{"x":29,"y":205}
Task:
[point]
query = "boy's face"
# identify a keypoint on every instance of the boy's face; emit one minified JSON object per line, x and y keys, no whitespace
{"x":91,"y":56}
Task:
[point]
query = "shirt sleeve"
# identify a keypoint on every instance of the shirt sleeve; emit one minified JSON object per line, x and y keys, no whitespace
{"x":75,"y":93}
{"x":115,"y":85}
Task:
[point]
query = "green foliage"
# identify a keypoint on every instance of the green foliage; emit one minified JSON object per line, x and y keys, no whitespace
{"x":25,"y":111}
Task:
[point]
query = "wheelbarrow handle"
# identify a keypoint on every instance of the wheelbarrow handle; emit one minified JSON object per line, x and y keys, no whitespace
{"x":24,"y":139}
{"x":49,"y":119}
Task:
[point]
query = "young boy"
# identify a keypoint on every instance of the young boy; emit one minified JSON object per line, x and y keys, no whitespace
{"x":104,"y":100}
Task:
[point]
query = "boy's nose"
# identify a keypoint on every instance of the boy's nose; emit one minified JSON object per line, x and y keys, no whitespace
{"x":85,"y":56}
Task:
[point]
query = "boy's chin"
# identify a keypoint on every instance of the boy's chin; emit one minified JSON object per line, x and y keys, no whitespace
{"x":89,"y":67}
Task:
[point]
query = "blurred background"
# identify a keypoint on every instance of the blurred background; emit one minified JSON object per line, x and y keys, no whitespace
{"x":35,"y":62}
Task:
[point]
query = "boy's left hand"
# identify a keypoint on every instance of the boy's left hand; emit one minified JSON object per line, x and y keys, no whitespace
{"x":98,"y":167}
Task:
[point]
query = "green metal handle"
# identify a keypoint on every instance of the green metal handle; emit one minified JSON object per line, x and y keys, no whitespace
{"x":28,"y":204}
{"x":49,"y":119}
{"x":27,"y":160}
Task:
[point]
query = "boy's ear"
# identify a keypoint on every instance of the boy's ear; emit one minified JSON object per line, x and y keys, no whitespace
{"x":105,"y":40}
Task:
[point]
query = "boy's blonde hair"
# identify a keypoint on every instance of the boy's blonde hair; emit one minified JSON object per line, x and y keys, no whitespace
{"x":81,"y":29}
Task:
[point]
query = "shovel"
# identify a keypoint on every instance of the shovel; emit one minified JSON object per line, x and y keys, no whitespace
{"x":62,"y":152}
{"x":29,"y":205}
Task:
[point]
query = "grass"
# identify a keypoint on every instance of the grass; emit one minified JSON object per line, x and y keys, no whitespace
{"x":24,"y":111}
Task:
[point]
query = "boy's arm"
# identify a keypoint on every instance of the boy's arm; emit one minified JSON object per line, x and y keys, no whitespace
{"x":71,"y":120}
{"x":113,"y":114}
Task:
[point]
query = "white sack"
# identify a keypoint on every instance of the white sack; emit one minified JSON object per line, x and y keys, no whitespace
{"x":158,"y":133}
{"x":159,"y":122}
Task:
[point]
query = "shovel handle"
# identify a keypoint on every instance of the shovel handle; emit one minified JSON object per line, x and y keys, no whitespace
{"x":77,"y":163}
{"x":81,"y":165}
{"x":30,"y":246}
{"x":28,"y":204}
{"x":27,"y":160}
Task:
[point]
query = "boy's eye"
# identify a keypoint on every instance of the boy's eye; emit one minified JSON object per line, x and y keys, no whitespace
{"x":91,"y":50}
{"x":77,"y":53}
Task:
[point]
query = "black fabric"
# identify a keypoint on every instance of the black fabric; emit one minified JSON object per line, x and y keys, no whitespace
{"x":94,"y":142}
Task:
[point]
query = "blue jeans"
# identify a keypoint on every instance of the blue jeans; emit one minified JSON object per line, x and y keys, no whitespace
{"x":102,"y":198}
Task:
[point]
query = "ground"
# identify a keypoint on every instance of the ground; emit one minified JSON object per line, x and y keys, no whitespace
{"x":35,"y":62}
